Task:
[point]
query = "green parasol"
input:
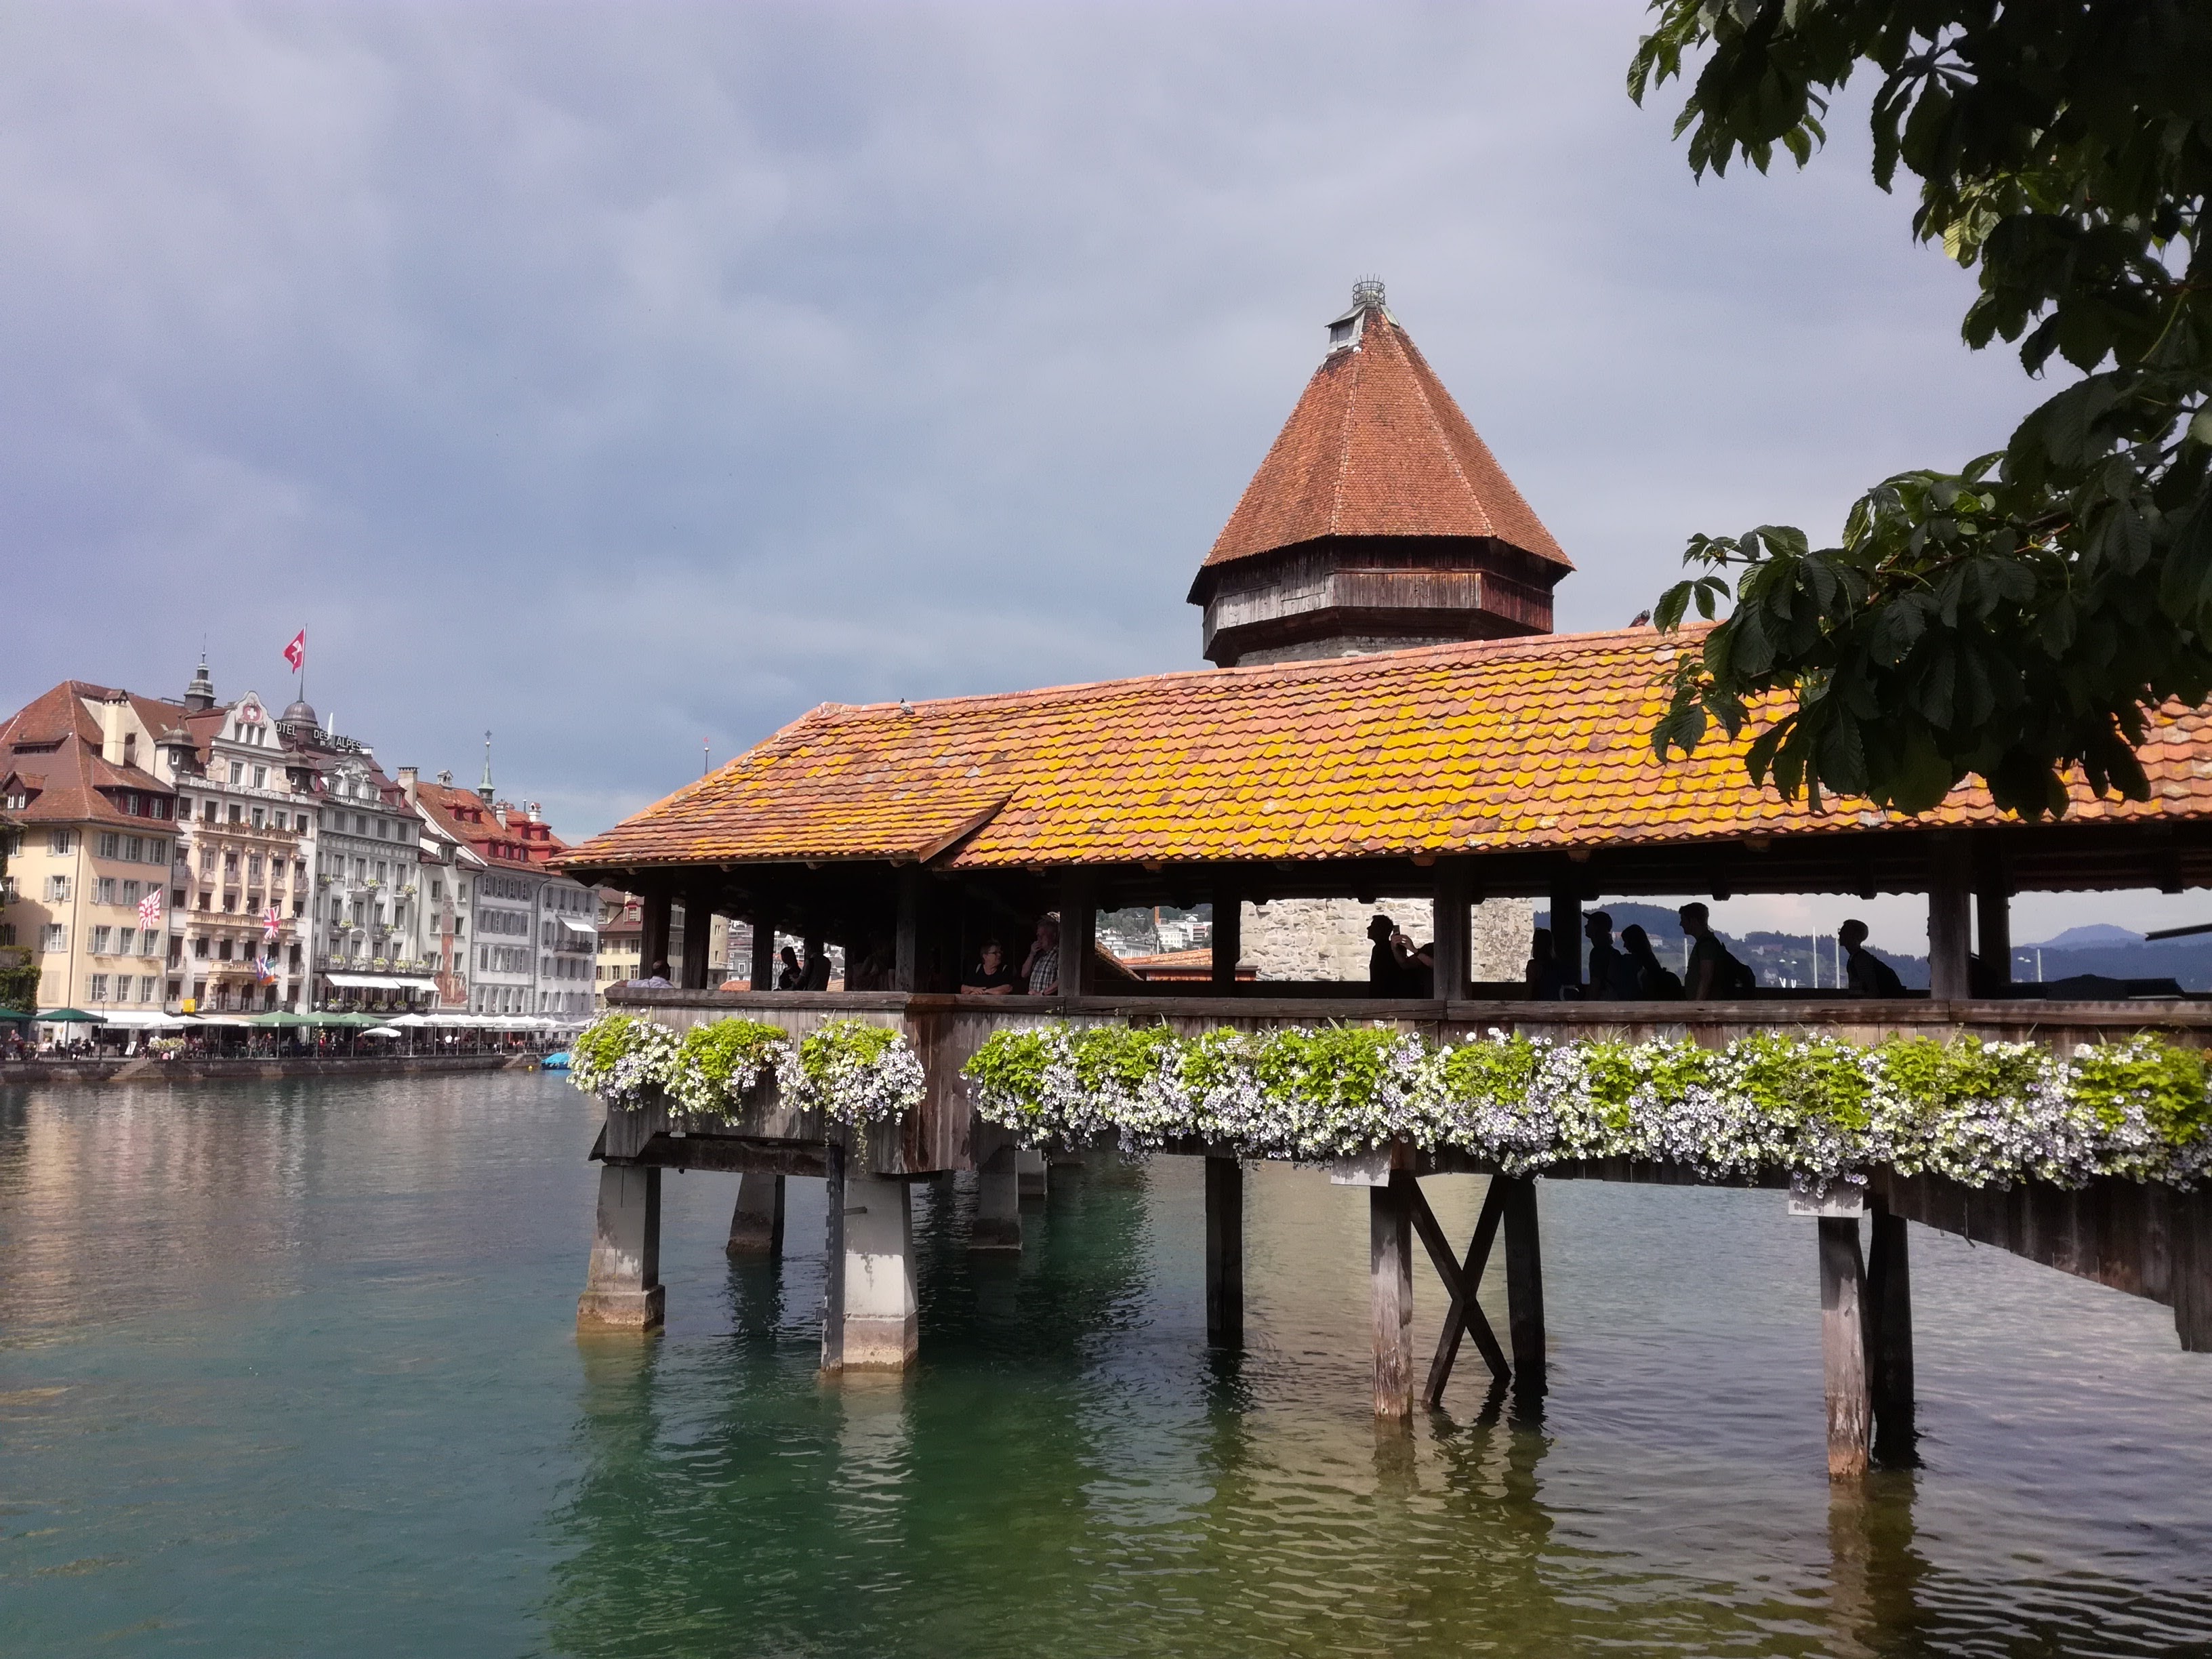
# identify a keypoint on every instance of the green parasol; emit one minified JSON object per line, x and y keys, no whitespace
{"x":68,"y":1017}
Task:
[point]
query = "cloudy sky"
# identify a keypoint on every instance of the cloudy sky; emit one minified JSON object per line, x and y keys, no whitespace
{"x":625,"y":378}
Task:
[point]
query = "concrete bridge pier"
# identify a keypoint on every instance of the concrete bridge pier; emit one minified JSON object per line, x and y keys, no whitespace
{"x":998,"y":1193}
{"x":757,"y":1222}
{"x":869,"y":1314}
{"x":1032,"y":1169}
{"x":622,"y":1288}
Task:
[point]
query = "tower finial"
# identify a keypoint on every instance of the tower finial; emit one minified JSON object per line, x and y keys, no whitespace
{"x":1367,"y":294}
{"x":485,"y":789}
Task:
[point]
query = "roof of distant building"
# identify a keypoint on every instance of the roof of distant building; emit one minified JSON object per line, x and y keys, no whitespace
{"x":51,"y":749}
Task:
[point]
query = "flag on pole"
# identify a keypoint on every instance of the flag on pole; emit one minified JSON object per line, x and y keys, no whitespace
{"x":264,"y":972}
{"x":269,"y":920}
{"x":296,"y":652}
{"x":149,"y":908}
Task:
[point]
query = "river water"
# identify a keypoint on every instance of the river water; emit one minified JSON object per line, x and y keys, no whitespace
{"x":292,"y":1369}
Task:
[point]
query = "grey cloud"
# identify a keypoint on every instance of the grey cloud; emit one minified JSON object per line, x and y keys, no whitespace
{"x":621,"y":377}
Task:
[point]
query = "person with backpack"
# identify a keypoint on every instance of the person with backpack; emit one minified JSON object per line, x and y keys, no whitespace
{"x":1714,"y":971}
{"x":1866,"y":975}
{"x":1643,"y":976}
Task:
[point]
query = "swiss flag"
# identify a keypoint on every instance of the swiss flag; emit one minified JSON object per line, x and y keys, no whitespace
{"x":296,"y":652}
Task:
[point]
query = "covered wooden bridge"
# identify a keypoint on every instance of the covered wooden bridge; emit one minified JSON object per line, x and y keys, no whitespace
{"x":1462,"y":773}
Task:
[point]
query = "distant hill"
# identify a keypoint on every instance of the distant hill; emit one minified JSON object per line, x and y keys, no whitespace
{"x":2096,"y":933}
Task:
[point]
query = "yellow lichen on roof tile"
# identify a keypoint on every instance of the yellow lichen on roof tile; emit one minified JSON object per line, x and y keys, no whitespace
{"x":1458,"y":748}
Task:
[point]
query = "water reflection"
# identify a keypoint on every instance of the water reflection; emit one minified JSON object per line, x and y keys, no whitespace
{"x":281,"y":1366}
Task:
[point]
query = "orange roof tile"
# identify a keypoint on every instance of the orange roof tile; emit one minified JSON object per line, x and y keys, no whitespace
{"x":1482,"y":746}
{"x":1375,"y":446}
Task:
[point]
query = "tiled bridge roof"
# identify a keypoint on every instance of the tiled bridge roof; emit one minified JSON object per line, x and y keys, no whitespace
{"x":1531,"y":744}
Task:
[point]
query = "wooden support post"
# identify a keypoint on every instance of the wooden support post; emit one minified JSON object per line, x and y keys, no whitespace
{"x":1228,"y":934}
{"x":757,"y":1222}
{"x":1462,"y":1282}
{"x":811,"y":945}
{"x":1889,"y":1336}
{"x":2189,"y":1244}
{"x":698,"y":936}
{"x":1453,"y":952}
{"x":1224,"y":1252}
{"x":1993,"y":915}
{"x":1567,"y":925}
{"x":621,"y":1289}
{"x":1390,"y":1269}
{"x":1949,"y":922}
{"x":652,"y":931}
{"x":1524,"y":1283}
{"x":1843,"y":1347}
{"x":997,"y":1192}
{"x":763,"y":978}
{"x":1078,"y":933}
{"x":907,"y":948}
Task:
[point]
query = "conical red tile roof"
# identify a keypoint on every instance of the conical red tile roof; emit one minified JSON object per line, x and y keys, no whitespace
{"x":1377,"y":447}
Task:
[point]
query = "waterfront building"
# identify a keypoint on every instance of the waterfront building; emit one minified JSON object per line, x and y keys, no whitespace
{"x":245,"y":856}
{"x":530,"y":932}
{"x":449,"y":868}
{"x":88,"y":889}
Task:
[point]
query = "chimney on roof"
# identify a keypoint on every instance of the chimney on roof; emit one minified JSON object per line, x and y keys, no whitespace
{"x":408,"y":775}
{"x":199,"y":695}
{"x":112,"y":748}
{"x":530,"y":807}
{"x":446,"y":780}
{"x":499,"y":811}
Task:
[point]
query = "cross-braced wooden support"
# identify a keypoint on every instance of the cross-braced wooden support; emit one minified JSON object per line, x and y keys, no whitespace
{"x":1462,"y":1278}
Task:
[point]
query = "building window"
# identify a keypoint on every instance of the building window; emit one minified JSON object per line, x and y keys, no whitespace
{"x":61,"y":842}
{"x":260,"y":777}
{"x":130,"y":890}
{"x":57,"y":890}
{"x":53,"y":937}
{"x":98,"y":992}
{"x":103,"y":890}
{"x":134,"y":849}
{"x":146,"y":987}
{"x":230,"y":864}
{"x":101,"y":939}
{"x":237,"y":813}
{"x":109,"y":846}
{"x":126,"y":940}
{"x":222,"y":950}
{"x":157,"y":851}
{"x":360,"y":824}
{"x":238,"y":771}
{"x":260,"y":817}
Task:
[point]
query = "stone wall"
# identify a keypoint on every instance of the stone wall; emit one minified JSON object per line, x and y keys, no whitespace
{"x":1327,"y":939}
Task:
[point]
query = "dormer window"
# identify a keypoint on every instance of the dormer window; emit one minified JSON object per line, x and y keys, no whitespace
{"x":1343,"y":333}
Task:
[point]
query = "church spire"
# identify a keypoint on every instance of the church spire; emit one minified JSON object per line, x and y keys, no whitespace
{"x":1378,"y":519}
